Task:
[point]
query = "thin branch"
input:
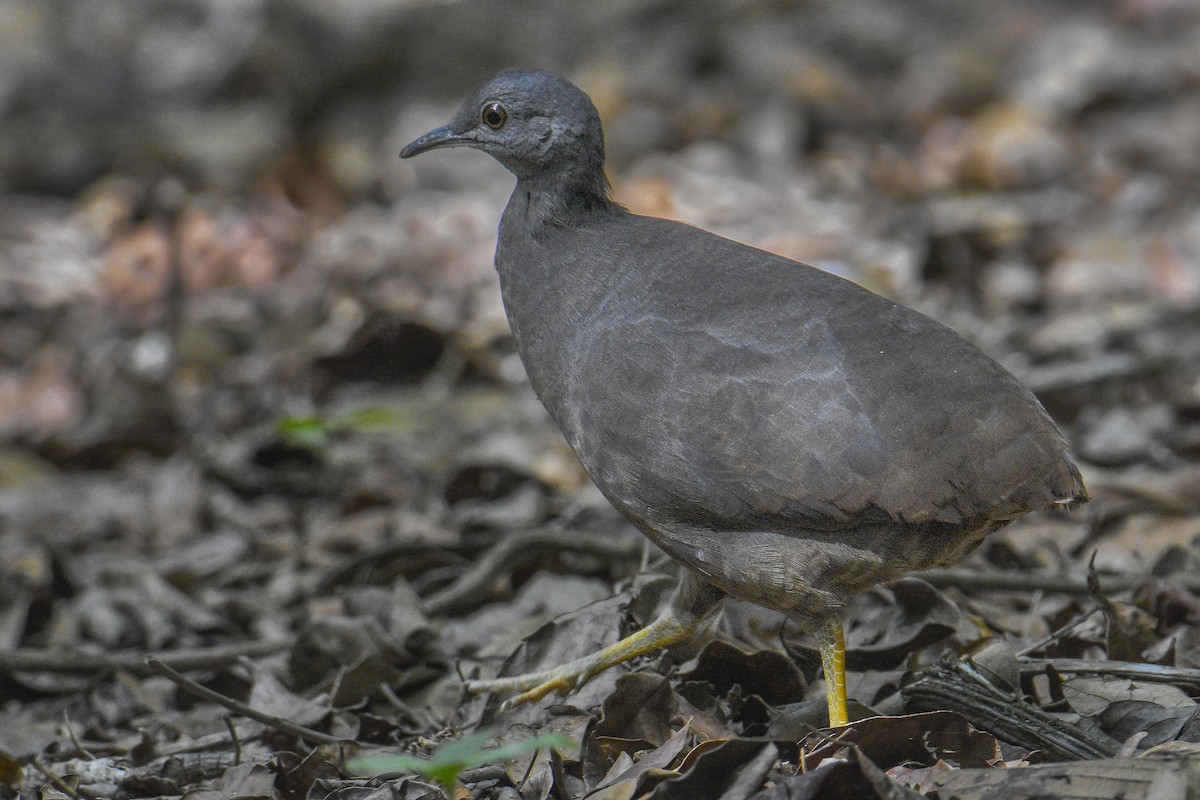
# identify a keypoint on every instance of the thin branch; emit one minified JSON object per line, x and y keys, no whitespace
{"x":75,"y":739}
{"x":965,"y":578}
{"x":237,"y":743}
{"x":473,"y":587}
{"x":1056,"y":635}
{"x":59,"y":783}
{"x":1150,"y":673}
{"x":209,"y":741}
{"x":389,"y":551}
{"x":1064,"y":376}
{"x":30,"y":659}
{"x":240,"y":708}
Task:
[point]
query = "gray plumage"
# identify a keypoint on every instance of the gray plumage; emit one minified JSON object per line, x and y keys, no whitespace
{"x":788,"y":435}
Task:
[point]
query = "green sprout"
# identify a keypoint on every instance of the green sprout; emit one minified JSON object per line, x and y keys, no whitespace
{"x":453,"y":758}
{"x":314,"y":432}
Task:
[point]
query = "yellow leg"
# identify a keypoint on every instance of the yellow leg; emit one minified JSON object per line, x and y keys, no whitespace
{"x":833,"y":661}
{"x":662,"y":632}
{"x":688,"y":609}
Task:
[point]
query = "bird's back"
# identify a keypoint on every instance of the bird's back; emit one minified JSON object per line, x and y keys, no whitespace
{"x":703,"y":381}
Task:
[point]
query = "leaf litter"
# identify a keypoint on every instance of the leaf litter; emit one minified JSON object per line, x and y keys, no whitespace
{"x":282,"y":445}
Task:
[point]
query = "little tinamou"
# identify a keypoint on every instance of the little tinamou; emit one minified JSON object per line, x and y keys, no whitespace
{"x":788,"y":436}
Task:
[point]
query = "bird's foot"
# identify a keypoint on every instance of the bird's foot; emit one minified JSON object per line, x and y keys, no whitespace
{"x":533,"y":686}
{"x":666,"y":630}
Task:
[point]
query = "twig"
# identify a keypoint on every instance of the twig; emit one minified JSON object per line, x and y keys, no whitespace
{"x":335,"y":684}
{"x":474,"y":586}
{"x":389,"y":551}
{"x":1076,"y":375}
{"x":411,"y":715}
{"x":964,"y":578}
{"x":74,"y":739}
{"x":76,"y":661}
{"x":825,"y":738}
{"x":58,"y":782}
{"x":959,"y":214}
{"x":1052,"y":637}
{"x":237,"y":743}
{"x":1151,"y":673}
{"x":207,"y":742}
{"x":238,"y":707}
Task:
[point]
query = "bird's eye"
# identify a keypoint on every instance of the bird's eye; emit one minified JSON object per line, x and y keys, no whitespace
{"x":494,"y":115}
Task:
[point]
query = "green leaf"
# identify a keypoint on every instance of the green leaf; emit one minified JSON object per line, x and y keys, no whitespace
{"x":376,"y":417}
{"x":310,"y":431}
{"x":313,"y":431}
{"x":452,"y":758}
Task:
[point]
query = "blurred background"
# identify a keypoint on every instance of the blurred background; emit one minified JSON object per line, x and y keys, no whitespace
{"x":236,"y":330}
{"x":995,"y":159}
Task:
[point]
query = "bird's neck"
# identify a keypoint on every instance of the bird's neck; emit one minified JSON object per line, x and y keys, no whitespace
{"x":541,"y":203}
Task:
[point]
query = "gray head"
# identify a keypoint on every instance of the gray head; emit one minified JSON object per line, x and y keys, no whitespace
{"x":536,"y":124}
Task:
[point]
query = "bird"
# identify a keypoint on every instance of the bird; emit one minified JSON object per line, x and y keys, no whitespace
{"x":788,"y":436}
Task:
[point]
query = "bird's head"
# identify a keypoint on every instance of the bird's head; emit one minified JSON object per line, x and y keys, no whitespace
{"x":533,"y":122}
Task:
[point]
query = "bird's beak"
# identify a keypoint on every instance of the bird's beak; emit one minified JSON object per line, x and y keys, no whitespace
{"x":439,"y":137}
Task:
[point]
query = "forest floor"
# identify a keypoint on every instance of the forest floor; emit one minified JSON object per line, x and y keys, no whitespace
{"x":272,"y":481}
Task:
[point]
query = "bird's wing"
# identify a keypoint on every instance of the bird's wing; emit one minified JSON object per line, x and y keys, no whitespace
{"x":777,"y":392}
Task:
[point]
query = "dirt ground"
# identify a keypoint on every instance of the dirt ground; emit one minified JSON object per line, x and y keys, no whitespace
{"x":272,"y":480}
